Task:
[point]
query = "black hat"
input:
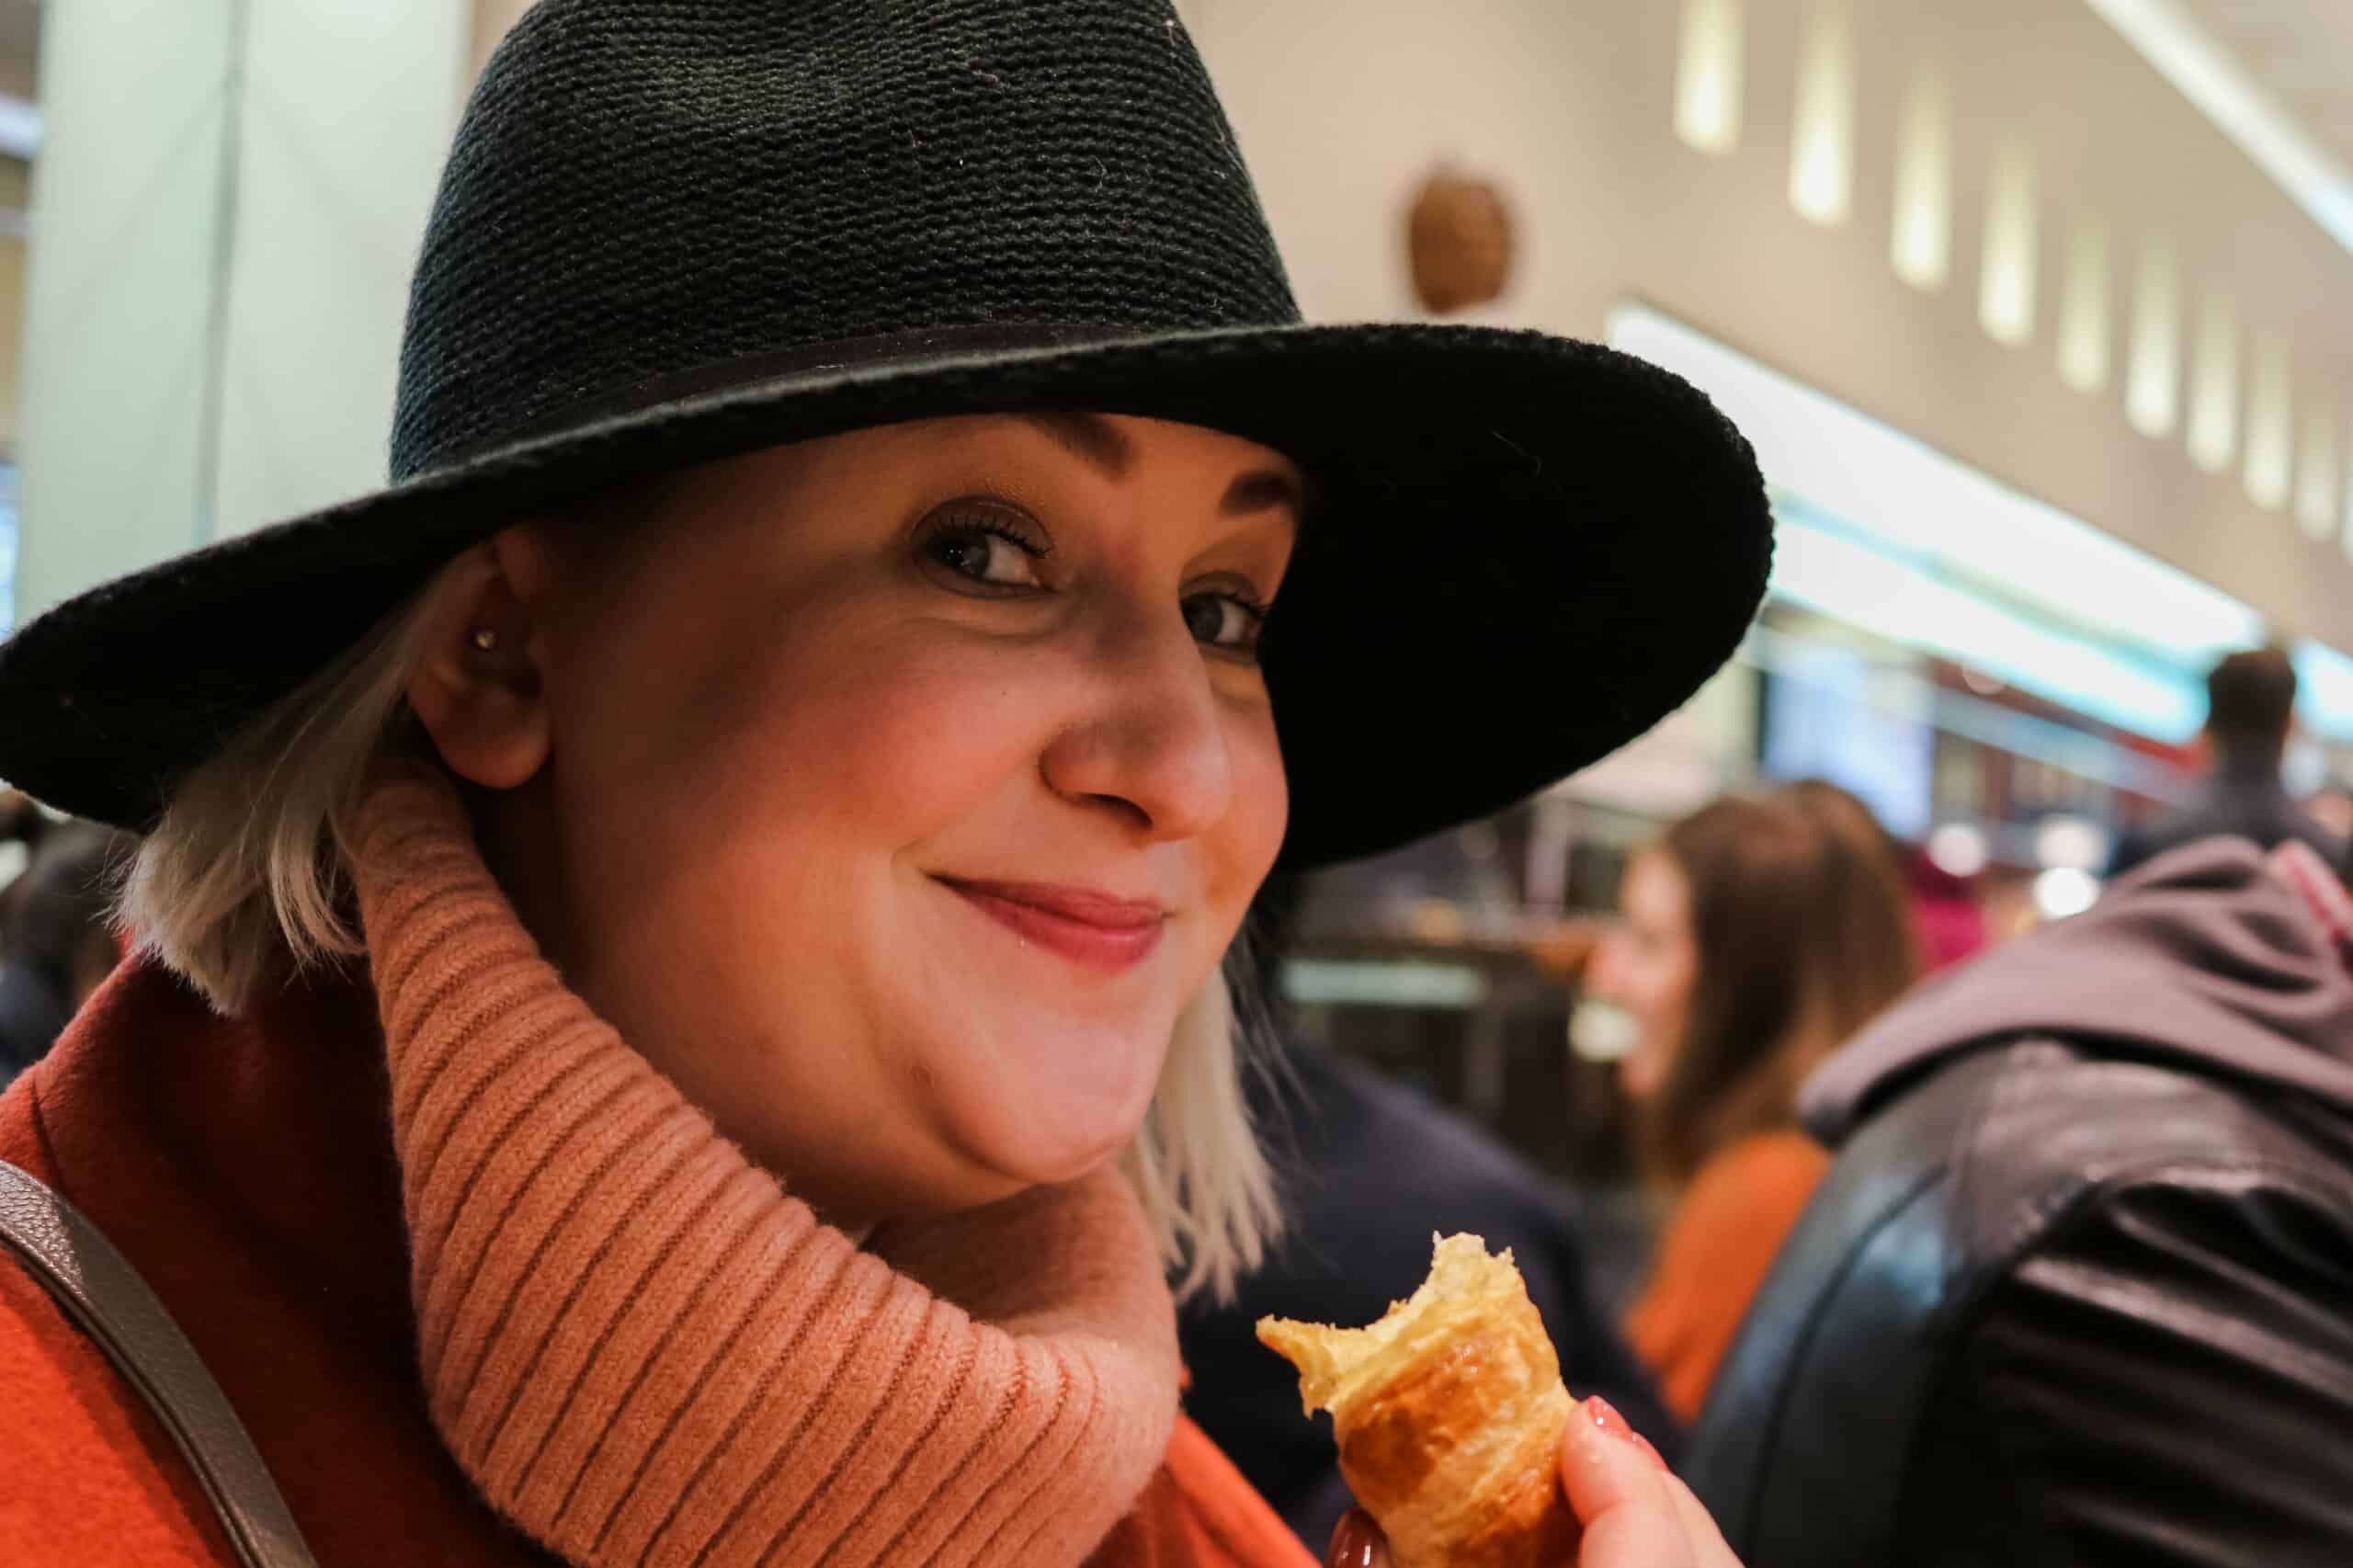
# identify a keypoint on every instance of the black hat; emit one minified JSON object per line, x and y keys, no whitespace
{"x":672,"y":231}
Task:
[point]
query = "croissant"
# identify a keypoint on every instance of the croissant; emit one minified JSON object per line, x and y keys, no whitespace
{"x":1449,"y":1412}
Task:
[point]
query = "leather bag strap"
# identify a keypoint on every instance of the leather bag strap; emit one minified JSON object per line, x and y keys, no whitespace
{"x":108,"y":1301}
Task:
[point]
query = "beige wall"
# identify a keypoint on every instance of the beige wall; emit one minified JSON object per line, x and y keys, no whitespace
{"x":125,"y":210}
{"x":16,"y":182}
{"x":12,"y":342}
{"x":492,"y":18}
{"x":218,"y":276}
{"x":1342,"y":105}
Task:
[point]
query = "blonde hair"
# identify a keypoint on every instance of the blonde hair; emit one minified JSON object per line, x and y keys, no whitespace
{"x":244,"y":881}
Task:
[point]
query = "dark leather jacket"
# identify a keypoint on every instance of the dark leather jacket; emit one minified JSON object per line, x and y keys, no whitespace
{"x":2072,"y":1293}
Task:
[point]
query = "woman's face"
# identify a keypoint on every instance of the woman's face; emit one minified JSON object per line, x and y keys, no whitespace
{"x":900,"y":788}
{"x":1647,"y":964}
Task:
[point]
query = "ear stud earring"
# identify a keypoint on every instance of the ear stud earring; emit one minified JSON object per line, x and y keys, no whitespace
{"x":486,"y":638}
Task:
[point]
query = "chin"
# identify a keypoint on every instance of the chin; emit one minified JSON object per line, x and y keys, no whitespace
{"x":1044,"y":1127}
{"x":1045,"y":1151}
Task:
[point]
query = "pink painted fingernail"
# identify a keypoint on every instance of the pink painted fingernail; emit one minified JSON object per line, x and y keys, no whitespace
{"x":1605,"y":1415}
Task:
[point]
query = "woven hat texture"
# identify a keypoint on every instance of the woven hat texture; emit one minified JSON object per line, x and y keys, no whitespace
{"x":671,"y":230}
{"x":819,"y":171}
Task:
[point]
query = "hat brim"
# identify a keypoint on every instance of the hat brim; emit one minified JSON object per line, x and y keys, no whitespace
{"x":1527,"y":550}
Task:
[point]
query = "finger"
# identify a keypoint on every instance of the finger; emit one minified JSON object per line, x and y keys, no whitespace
{"x":1356,"y":1543}
{"x":1621,"y":1495}
{"x":1605,"y":1415}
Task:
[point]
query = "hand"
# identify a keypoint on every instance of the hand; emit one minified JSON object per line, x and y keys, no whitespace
{"x":1635,"y":1513}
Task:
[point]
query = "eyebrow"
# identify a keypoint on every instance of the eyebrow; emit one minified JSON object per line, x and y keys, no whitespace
{"x":1098,"y":441}
{"x":1263,"y":490}
{"x":1086,"y":436}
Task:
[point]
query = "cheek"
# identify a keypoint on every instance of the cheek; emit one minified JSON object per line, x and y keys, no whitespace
{"x":1675,"y":985}
{"x":908,"y":753}
{"x":888,"y":748}
{"x":1670,"y":989}
{"x":1645,"y":988}
{"x":1639,"y":1074}
{"x":1242,"y":849}
{"x":751,"y":801}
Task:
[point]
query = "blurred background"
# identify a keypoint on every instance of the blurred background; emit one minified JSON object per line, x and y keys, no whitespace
{"x":2035,"y":311}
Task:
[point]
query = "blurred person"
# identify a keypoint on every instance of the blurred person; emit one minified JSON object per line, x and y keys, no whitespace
{"x":684,"y":1009}
{"x":2250,"y":715}
{"x":1948,"y":921}
{"x":2076,"y":1288}
{"x":1842,"y":812}
{"x":1753,"y":937}
{"x":1951,"y":920}
{"x":60,"y":945}
{"x":22,"y":826}
{"x":1370,"y":1171}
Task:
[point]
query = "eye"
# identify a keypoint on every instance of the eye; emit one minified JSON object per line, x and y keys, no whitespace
{"x":1228,"y":622}
{"x":984,"y":546}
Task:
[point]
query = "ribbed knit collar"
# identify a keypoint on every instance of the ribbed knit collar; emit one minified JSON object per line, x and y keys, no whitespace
{"x":644,"y":1351}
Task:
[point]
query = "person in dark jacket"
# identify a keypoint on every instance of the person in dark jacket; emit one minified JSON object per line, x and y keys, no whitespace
{"x":58,"y":946}
{"x":1373,"y":1170}
{"x":2250,"y":704}
{"x":2076,"y":1288}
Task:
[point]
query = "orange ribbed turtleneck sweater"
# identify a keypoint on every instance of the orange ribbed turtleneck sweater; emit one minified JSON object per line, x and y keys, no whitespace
{"x":642,"y":1350}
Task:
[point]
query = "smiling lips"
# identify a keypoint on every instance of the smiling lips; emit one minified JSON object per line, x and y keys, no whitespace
{"x":1085,"y":927}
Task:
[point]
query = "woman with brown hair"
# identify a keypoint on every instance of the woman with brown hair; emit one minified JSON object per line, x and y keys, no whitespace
{"x":1755,"y":936}
{"x":686,"y":1001}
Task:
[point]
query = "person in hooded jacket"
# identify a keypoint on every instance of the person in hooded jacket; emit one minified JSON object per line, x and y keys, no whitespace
{"x":2078,"y":1286}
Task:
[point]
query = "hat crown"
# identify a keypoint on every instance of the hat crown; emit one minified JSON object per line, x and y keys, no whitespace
{"x":644,"y":190}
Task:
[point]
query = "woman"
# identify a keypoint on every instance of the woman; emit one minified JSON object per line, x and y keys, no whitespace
{"x":1946,"y":920}
{"x":55,"y":948}
{"x":1755,"y":935}
{"x":684,"y":1011}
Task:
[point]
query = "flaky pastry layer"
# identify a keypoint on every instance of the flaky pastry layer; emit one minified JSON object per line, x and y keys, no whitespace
{"x":1449,"y":1412}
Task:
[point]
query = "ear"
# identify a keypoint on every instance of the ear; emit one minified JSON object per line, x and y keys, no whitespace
{"x":477,"y":687}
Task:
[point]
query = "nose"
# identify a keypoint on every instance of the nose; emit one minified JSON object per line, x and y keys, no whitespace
{"x":1150,"y":746}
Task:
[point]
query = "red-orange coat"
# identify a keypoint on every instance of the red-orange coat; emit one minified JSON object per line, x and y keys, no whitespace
{"x":245,"y":1168}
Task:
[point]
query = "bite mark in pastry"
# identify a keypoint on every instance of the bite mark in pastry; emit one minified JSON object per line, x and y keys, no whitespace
{"x":1449,"y":1412}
